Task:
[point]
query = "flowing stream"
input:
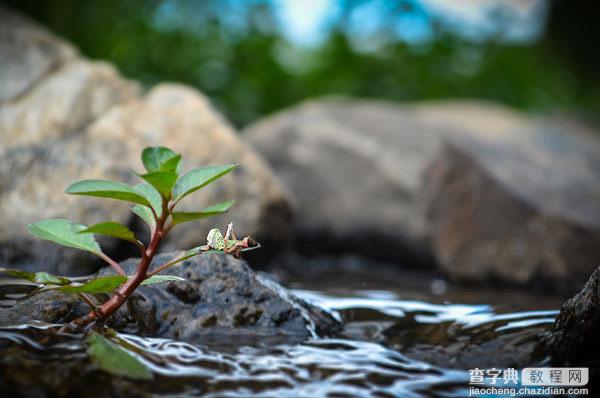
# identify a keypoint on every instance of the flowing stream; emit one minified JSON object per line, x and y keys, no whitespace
{"x":396,"y":343}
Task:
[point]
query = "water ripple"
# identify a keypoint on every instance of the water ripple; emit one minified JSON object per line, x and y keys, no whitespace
{"x":373,"y":364}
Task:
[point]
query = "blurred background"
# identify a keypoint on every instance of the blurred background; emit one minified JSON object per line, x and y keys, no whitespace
{"x":455,"y":136}
{"x":254,"y":57}
{"x":427,"y":169}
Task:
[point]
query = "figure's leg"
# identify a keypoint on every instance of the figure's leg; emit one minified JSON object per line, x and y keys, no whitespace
{"x":229,"y":231}
{"x":227,"y":236}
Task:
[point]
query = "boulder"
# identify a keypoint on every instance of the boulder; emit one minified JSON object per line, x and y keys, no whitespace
{"x":517,"y":202}
{"x":452,"y":345}
{"x":63,"y":103}
{"x":354,"y":168}
{"x":27,"y":54}
{"x":221,"y":299}
{"x":483,"y":232}
{"x":80,"y":119}
{"x":573,"y":341}
{"x":482,"y":190}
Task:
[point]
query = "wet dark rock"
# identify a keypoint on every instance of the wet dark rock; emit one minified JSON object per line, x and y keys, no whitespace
{"x":450,"y":345}
{"x":573,"y":341}
{"x":61,"y":370}
{"x":220,"y":298}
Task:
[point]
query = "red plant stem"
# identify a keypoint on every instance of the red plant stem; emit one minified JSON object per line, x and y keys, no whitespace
{"x":112,"y":263}
{"x":141,"y":273}
{"x":88,"y":300}
{"x":169,"y":264}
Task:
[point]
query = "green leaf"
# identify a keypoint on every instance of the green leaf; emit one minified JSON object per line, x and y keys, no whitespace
{"x":104,"y":284}
{"x":163,"y":181}
{"x":154,"y":279}
{"x":66,"y":233}
{"x":204,"y":249}
{"x":115,"y":359}
{"x":107,"y":189}
{"x":173,"y":164}
{"x":193,"y":251}
{"x":155,"y":199}
{"x":152,"y":195}
{"x":145,"y":214}
{"x":199,"y":178}
{"x":48,"y":279}
{"x":219,"y":208}
{"x":159,"y":158}
{"x":113,"y":229}
{"x":36,"y":277}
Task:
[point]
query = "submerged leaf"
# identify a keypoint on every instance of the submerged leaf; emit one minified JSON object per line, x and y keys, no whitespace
{"x":107,"y":189}
{"x":159,"y":158}
{"x":115,"y":359}
{"x":66,"y":233}
{"x":219,"y":208}
{"x":112,"y":229}
{"x":155,"y":279}
{"x":104,"y":284}
{"x":199,"y":178}
{"x":36,"y":277}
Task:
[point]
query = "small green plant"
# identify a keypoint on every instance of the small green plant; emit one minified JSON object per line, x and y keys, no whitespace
{"x":154,"y":201}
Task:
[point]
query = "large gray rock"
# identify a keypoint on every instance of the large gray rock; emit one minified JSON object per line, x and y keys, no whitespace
{"x":482,"y":231}
{"x":487,"y":192}
{"x":221,"y":299}
{"x":27,"y":54}
{"x":516,"y":202}
{"x":81,"y":119}
{"x":355,"y":170}
{"x":63,"y":103}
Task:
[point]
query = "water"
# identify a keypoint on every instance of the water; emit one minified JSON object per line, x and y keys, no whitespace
{"x":393,"y":345}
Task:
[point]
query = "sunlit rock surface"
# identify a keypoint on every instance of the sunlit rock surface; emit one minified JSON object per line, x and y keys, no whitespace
{"x":490,"y":194}
{"x":64,"y":118}
{"x":63,"y":103}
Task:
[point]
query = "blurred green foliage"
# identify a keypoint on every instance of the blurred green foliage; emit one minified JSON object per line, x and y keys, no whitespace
{"x":248,"y":69}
